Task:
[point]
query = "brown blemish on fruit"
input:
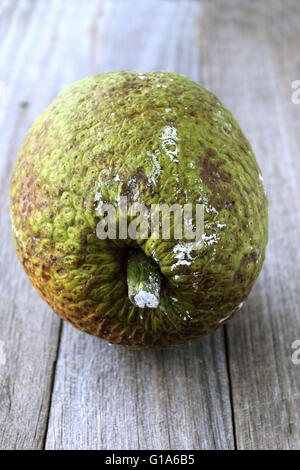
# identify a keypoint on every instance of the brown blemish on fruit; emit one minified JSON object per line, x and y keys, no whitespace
{"x":240,"y":273}
{"x":46,"y":273}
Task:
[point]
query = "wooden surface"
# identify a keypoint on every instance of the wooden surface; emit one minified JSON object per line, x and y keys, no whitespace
{"x":238,"y":387}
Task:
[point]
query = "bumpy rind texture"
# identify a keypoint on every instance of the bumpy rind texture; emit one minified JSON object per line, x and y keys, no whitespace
{"x":155,"y":138}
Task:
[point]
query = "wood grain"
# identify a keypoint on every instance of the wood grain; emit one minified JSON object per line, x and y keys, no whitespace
{"x":251,"y":58}
{"x":32,"y":56}
{"x":29,"y":331}
{"x":106,"y":397}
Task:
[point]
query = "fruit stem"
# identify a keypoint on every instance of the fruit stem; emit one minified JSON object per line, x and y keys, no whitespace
{"x":143,"y":280}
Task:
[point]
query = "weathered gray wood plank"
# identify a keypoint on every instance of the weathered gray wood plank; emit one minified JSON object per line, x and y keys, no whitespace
{"x":251,"y":58}
{"x":33,"y":69}
{"x":110,"y":398}
{"x":106,"y":397}
{"x":28,"y":330}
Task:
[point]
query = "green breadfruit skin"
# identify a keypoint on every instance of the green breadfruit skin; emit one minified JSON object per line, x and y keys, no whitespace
{"x":156,"y":138}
